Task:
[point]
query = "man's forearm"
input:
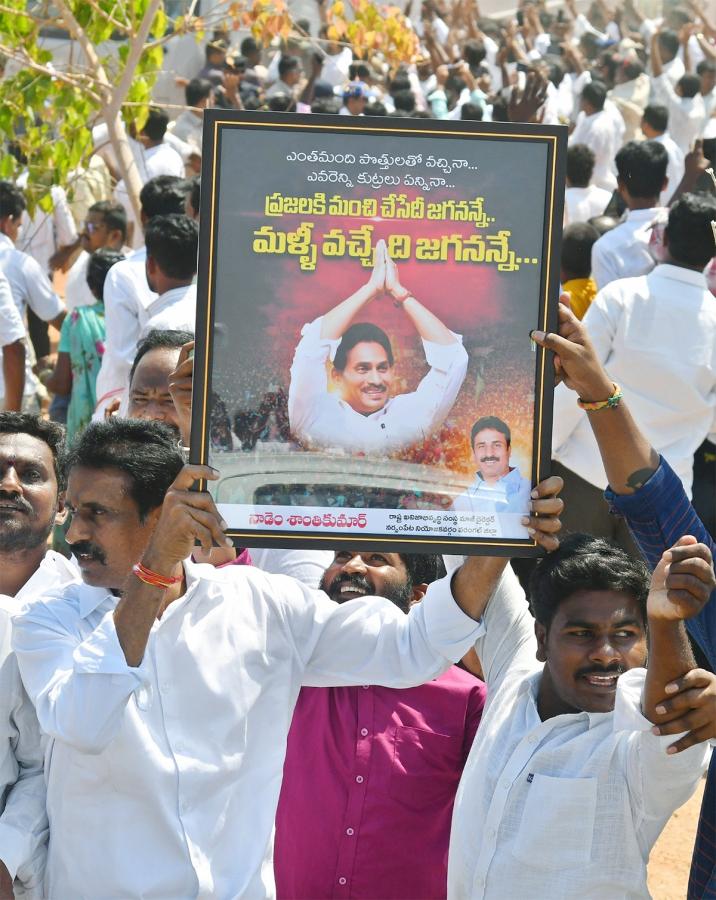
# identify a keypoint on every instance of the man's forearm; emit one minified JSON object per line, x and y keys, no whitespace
{"x":428,"y":326}
{"x":475,"y":581}
{"x":629,"y":459}
{"x":670,"y":657}
{"x":13,"y":369}
{"x":336,"y":321}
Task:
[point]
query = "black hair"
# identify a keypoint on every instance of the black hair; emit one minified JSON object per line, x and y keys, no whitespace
{"x":404,"y":100}
{"x":12,"y":200}
{"x":577,"y":243}
{"x":632,"y":68}
{"x":113,"y":215}
{"x":706,"y":65}
{"x":688,"y":232}
{"x":580,"y":165}
{"x":471,"y":112}
{"x":423,"y":568}
{"x":359,"y":71}
{"x":249,"y":46}
{"x":689,"y":85}
{"x":641,"y":167}
{"x":159,"y":339}
{"x":156,"y":125}
{"x":145,"y":451}
{"x":173,"y":241}
{"x":490,"y":422}
{"x":669,"y":41}
{"x":474,"y":53}
{"x":376,"y":109}
{"x":162,"y":195}
{"x":326,"y":105}
{"x":595,"y":93}
{"x":195,"y":193}
{"x":287,"y":64}
{"x":585,"y":563}
{"x":281,"y":103}
{"x":401,"y":82}
{"x":657,"y":117}
{"x":49,"y":433}
{"x":360,"y":333}
{"x":197,"y":90}
{"x":98,"y":265}
{"x":603,"y":223}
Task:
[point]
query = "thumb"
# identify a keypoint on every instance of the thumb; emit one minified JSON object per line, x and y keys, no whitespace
{"x":685,"y":541}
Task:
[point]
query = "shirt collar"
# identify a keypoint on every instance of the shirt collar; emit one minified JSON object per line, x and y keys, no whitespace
{"x":530,"y":686}
{"x":512,"y":476}
{"x":6,"y":242}
{"x":643,"y":215}
{"x":679,"y":273}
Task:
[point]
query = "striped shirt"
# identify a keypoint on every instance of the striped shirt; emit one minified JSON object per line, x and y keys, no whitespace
{"x":658,"y":514}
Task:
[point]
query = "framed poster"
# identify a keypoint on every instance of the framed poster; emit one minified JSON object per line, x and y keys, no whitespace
{"x":367,"y":287}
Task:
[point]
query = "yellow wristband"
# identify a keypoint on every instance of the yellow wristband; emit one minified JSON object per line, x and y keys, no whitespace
{"x":610,"y":402}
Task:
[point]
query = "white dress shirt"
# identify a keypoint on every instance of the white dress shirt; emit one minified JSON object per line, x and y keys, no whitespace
{"x":656,"y":336}
{"x":174,"y":310}
{"x":12,"y":327}
{"x":321,"y":419}
{"x":23,"y":820}
{"x":31,"y":287}
{"x":687,"y":115}
{"x":600,"y":131}
{"x":584,"y":203}
{"x":568,"y":808}
{"x":674,"y":168}
{"x":307,"y":566}
{"x":623,"y":252}
{"x":164,"y":779}
{"x":77,"y":292}
{"x":189,"y":128}
{"x":509,"y":494}
{"x":126,"y":298}
{"x":45,"y":232}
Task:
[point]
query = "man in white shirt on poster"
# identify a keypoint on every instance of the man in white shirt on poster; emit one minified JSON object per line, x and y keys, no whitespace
{"x":361,"y":416}
{"x":30,"y":479}
{"x":168,"y":687}
{"x":624,"y":252}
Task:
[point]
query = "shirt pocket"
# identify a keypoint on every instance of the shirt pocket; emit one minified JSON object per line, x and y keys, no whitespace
{"x":557,"y":825}
{"x":426,"y":767}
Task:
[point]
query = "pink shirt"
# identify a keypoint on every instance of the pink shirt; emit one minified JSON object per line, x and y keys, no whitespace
{"x":368,"y":789}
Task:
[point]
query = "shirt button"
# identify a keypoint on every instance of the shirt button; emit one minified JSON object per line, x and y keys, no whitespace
{"x":342,"y":880}
{"x":364,"y":731}
{"x":350,"y":832}
{"x":359,"y":779}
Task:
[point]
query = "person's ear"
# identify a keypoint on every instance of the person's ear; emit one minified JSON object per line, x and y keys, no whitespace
{"x":665,"y":184}
{"x":541,"y":635}
{"x":115,"y":238}
{"x":61,"y":511}
{"x":335,"y":374}
{"x":419,"y":591}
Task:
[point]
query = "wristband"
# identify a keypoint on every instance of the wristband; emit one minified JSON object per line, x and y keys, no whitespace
{"x":154,"y":578}
{"x":610,"y":402}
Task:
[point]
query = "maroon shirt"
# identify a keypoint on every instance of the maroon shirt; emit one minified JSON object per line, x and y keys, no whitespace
{"x":368,"y":789}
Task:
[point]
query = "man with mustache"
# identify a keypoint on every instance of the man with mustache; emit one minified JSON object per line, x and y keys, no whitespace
{"x":360,"y":415}
{"x":498,"y":486}
{"x":366,"y":766}
{"x":30,"y":479}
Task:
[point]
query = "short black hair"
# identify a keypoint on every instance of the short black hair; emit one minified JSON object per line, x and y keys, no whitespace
{"x":474,"y":52}
{"x":580,"y":165}
{"x":595,"y":93}
{"x":585,"y":563}
{"x":49,"y":433}
{"x":113,"y":215}
{"x":287,"y":64}
{"x":156,"y":125}
{"x":195,"y":193}
{"x":577,"y":243}
{"x":423,"y":568}
{"x":688,"y":232}
{"x":249,"y":46}
{"x":360,"y":333}
{"x":197,"y":90}
{"x":490,"y":422}
{"x":641,"y":167}
{"x":669,"y":41}
{"x":632,"y":68}
{"x":12,"y":200}
{"x":172,"y":242}
{"x":159,"y":339}
{"x":359,"y":71}
{"x":689,"y":85}
{"x":706,"y":65}
{"x":404,"y":100}
{"x":98,"y":266}
{"x":145,"y":451}
{"x":163,"y":194}
{"x":657,"y":116}
{"x":327,"y":106}
{"x":281,"y":103}
{"x":471,"y":112}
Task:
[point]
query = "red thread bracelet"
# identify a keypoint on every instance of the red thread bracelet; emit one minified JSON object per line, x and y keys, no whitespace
{"x":154,"y":578}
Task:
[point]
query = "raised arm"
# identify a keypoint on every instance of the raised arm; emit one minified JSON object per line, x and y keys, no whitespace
{"x":656,"y":63}
{"x":336,"y":321}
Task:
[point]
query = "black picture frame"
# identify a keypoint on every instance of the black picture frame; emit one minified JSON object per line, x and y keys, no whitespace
{"x":220,"y":127}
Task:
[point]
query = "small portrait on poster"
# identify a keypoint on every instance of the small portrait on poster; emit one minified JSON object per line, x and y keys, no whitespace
{"x":363,"y":362}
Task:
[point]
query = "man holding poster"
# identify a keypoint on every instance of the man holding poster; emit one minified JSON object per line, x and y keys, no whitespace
{"x":359,"y":415}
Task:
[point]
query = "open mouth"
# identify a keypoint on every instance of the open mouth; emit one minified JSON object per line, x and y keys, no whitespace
{"x":606,"y":681}
{"x":351,"y":590}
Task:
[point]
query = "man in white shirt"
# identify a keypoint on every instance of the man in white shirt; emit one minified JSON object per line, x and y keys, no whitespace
{"x":189,"y":125}
{"x":498,"y":486}
{"x":706,"y":70}
{"x":599,"y":129}
{"x":172,"y":244}
{"x":361,"y":416}
{"x":105,"y":226}
{"x":687,"y":112}
{"x":12,"y":342}
{"x":30,"y":478}
{"x":671,"y":64}
{"x":624,"y":251}
{"x":582,"y":200}
{"x":355,"y":97}
{"x":170,"y":706}
{"x":653,"y":125}
{"x":290,"y":73}
{"x":567,"y":785}
{"x":30,"y":286}
{"x":127,"y":294}
{"x":656,"y":337}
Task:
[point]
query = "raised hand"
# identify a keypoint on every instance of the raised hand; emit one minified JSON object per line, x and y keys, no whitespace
{"x":691,"y":707}
{"x":682,"y":582}
{"x":392,"y":281}
{"x":543,"y":523}
{"x":376,"y":282}
{"x":180,"y":387}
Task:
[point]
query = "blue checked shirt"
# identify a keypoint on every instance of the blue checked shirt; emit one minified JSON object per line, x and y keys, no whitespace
{"x":658,"y":514}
